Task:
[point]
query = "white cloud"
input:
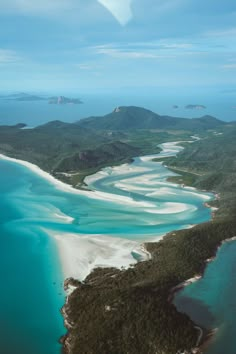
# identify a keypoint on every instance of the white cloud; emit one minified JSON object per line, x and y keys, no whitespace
{"x":176,"y":46}
{"x":149,"y":50}
{"x":120,"y":9}
{"x":8,"y":57}
{"x":230,"y":32}
{"x":128,"y":54}
{"x":230,"y":66}
{"x":162,"y":44}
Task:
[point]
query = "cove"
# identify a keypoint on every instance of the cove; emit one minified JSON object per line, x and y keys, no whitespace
{"x":215,"y":292}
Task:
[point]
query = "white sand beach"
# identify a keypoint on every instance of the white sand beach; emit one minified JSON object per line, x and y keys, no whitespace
{"x":67,"y":188}
{"x":80,"y":254}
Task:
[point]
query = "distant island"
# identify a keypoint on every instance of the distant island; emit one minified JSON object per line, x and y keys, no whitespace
{"x":26,"y":97}
{"x":195,"y":106}
{"x":64,"y":100}
{"x":23,"y":97}
{"x":175,"y":106}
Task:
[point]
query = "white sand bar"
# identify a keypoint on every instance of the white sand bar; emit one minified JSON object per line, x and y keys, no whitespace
{"x":80,"y":254}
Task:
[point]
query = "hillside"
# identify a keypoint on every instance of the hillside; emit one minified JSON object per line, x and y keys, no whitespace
{"x":86,"y":146}
{"x":128,"y":118}
{"x":214,"y":159}
{"x":104,"y":155}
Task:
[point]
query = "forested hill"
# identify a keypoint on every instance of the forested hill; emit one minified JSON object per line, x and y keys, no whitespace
{"x":83,"y":147}
{"x":127,"y":118}
{"x":213,"y":160}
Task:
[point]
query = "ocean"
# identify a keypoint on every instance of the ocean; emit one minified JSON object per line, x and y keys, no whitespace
{"x":40,"y":112}
{"x":130,"y":203}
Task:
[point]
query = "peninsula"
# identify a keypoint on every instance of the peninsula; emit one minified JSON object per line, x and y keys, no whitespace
{"x":137,"y":298}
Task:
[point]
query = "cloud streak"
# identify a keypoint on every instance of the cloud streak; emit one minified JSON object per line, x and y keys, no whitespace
{"x":8,"y":57}
{"x":230,"y":66}
{"x":228,"y":33}
{"x":122,"y":53}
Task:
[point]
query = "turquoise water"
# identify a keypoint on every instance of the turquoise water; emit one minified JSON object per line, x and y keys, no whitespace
{"x":32,"y":207}
{"x":30,"y":282}
{"x":211,"y":302}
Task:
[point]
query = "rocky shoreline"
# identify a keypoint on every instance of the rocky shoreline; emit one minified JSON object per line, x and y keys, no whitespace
{"x":70,"y":285}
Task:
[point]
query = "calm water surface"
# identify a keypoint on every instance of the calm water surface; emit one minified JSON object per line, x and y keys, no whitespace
{"x":211,"y":302}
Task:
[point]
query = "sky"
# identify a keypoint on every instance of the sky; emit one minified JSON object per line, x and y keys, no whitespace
{"x":118,"y":45}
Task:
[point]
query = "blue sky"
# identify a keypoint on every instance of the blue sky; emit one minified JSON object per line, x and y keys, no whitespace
{"x":99,"y":45}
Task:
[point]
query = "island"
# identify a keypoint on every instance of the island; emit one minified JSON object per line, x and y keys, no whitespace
{"x":26,"y":97}
{"x":195,"y":106}
{"x":23,"y":97}
{"x":64,"y":100}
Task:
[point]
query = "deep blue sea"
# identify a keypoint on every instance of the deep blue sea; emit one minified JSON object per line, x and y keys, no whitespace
{"x":40,"y":112}
{"x":130,"y":203}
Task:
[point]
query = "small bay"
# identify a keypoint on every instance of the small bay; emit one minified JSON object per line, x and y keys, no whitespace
{"x":211,"y":301}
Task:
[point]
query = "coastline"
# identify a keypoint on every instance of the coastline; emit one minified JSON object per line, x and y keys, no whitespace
{"x":119,"y":254}
{"x":70,"y":189}
{"x":92,"y":194}
{"x":81,"y":255}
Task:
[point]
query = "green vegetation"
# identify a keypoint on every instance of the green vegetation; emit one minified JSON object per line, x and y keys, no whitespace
{"x":84,"y":147}
{"x":61,"y":147}
{"x":186,"y":178}
{"x":100,"y":157}
{"x":213,"y":161}
{"x":129,"y":311}
{"x":128,"y":118}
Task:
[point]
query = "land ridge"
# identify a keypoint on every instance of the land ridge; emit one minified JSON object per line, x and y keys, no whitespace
{"x":60,"y":147}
